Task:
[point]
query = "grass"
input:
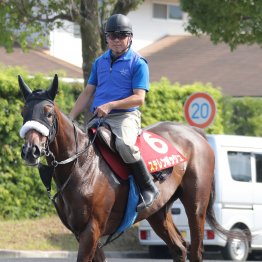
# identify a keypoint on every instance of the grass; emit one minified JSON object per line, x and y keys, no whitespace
{"x":50,"y":234}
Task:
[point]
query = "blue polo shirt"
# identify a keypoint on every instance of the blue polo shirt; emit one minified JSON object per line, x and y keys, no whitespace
{"x":116,"y":81}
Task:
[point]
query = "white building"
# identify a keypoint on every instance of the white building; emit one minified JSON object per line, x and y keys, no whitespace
{"x":153,"y":20}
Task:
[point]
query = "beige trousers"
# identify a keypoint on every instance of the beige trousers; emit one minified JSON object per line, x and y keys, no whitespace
{"x":126,"y":127}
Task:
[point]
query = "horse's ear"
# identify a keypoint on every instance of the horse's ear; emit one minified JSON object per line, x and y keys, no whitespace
{"x":26,"y":91}
{"x":53,"y":89}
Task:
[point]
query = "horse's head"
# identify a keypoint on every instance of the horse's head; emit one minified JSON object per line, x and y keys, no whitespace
{"x":39,"y":125}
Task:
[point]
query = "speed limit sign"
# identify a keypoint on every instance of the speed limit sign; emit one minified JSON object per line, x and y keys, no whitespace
{"x":200,"y":110}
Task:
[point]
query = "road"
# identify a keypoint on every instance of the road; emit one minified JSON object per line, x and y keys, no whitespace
{"x":212,"y":257}
{"x":73,"y":260}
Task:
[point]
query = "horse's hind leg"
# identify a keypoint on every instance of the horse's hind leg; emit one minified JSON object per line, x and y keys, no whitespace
{"x":163,"y":225}
{"x":195,"y":200}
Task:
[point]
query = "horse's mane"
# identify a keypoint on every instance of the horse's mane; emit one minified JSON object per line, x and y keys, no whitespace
{"x":80,"y":126}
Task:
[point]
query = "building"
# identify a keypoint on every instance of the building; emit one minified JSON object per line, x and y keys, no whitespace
{"x":171,"y":52}
{"x":151,"y":21}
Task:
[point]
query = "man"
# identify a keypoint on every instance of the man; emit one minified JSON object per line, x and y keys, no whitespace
{"x":118,"y":83}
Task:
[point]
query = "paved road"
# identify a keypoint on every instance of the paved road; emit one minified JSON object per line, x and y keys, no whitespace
{"x":73,"y":260}
{"x":71,"y":257}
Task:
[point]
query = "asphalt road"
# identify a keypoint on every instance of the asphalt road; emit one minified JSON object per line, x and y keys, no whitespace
{"x":112,"y":257}
{"x":73,"y":260}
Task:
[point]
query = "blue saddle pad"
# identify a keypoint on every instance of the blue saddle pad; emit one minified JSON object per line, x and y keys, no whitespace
{"x":130,"y":212}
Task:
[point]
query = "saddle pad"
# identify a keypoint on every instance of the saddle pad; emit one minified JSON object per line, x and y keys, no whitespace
{"x":132,"y":202}
{"x":157,"y":153}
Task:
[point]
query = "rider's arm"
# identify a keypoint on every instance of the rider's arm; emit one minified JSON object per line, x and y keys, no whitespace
{"x":140,"y":83}
{"x":137,"y":99}
{"x":82,"y":101}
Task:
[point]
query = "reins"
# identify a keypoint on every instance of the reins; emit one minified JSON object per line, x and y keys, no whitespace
{"x":46,"y":171}
{"x":54,"y":162}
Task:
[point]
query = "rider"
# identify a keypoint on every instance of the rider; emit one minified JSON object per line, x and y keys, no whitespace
{"x":118,"y":84}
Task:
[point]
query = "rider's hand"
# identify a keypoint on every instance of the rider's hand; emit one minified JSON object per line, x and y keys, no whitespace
{"x":103,"y":110}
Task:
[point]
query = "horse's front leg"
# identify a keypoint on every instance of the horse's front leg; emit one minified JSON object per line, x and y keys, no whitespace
{"x":88,"y":243}
{"x":99,"y":255}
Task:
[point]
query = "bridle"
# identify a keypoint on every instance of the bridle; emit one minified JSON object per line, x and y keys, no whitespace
{"x":48,"y":153}
{"x":36,"y":115}
{"x":47,"y":171}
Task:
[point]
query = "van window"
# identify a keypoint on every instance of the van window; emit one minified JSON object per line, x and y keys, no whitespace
{"x":240,"y":166}
{"x":259,"y":167}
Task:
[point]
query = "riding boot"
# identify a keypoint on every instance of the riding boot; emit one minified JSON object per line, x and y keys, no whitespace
{"x":148,"y":190}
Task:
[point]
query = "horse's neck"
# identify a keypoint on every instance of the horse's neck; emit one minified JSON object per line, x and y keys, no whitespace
{"x":69,"y":138}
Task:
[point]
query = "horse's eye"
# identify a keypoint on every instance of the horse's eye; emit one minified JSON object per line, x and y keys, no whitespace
{"x":49,"y":115}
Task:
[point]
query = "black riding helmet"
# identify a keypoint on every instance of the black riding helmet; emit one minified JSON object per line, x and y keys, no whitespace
{"x":118,"y":23}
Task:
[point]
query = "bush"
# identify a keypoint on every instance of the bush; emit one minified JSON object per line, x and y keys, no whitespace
{"x":243,"y":116}
{"x":22,"y":194}
{"x":165,"y":101}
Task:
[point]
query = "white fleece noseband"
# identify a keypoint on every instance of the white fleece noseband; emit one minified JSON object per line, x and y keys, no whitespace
{"x":33,"y":125}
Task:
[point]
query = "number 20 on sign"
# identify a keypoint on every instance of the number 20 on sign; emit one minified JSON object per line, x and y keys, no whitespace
{"x":200,"y":110}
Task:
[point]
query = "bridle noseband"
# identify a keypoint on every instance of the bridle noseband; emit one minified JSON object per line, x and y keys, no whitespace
{"x":37,"y":101}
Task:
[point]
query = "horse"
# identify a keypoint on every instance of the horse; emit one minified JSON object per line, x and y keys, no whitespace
{"x":91,"y":201}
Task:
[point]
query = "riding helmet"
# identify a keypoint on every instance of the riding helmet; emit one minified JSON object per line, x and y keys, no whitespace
{"x":118,"y":23}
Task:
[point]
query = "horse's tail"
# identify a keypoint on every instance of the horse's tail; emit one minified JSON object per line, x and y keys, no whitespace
{"x":212,"y":221}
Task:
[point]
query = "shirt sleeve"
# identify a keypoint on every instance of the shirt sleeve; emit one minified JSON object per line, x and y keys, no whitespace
{"x":140,"y":78}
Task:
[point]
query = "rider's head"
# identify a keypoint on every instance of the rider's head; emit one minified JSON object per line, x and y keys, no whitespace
{"x":118,"y":28}
{"x":119,"y":23}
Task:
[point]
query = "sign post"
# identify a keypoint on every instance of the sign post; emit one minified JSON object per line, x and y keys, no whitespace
{"x":200,"y":110}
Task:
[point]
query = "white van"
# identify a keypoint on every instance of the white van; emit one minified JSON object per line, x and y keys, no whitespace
{"x":238,"y":202}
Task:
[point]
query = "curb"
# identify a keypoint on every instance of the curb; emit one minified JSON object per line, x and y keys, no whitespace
{"x":67,"y":254}
{"x":36,"y":254}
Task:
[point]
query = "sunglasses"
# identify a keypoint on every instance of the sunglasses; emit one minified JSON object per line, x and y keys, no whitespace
{"x":117,"y":35}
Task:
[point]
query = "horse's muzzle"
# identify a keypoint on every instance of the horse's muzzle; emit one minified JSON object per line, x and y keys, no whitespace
{"x":31,"y":154}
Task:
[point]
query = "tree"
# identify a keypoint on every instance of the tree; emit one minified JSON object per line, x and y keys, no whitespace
{"x":229,"y":21}
{"x":21,"y":19}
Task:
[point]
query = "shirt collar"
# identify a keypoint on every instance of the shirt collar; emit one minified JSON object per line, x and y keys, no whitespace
{"x":125,"y":56}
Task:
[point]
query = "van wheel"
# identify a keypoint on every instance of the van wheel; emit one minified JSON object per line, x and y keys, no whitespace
{"x":235,"y":249}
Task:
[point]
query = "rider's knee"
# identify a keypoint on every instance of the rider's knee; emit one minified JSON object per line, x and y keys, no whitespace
{"x":128,"y":153}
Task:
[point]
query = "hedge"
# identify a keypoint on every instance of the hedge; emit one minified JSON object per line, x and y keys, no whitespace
{"x":22,"y":194}
{"x":165,"y":101}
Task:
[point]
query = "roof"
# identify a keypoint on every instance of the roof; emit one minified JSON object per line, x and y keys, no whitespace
{"x":38,"y":61}
{"x":189,"y":59}
{"x":183,"y":59}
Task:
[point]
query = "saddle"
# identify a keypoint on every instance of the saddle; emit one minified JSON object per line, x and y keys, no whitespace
{"x":159,"y":155}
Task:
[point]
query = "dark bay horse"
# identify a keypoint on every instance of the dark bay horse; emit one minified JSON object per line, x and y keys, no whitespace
{"x":91,"y":202}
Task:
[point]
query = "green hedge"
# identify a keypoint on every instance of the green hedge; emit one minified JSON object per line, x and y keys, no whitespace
{"x":242,"y":116}
{"x":165,"y":101}
{"x":22,"y":194}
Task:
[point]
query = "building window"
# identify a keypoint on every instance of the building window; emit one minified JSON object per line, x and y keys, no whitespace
{"x":174,"y":12}
{"x":165,"y":11}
